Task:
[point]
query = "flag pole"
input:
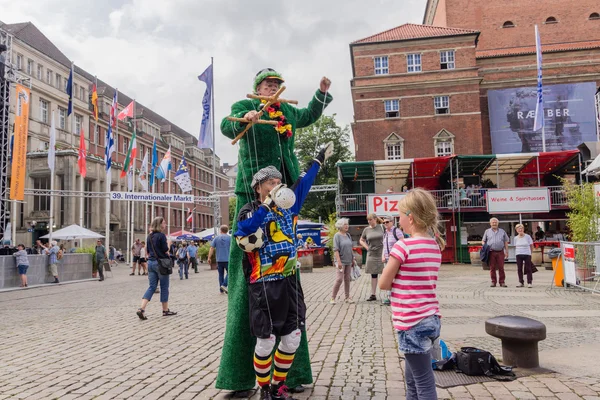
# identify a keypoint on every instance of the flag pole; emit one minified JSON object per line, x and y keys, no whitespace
{"x":132,"y":166}
{"x":212,"y":117}
{"x":81,"y":188}
{"x":107,"y":183}
{"x":169,"y":203}
{"x":51,"y":219}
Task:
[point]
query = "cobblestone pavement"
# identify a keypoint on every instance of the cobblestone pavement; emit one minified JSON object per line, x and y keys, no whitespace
{"x":84,"y":341}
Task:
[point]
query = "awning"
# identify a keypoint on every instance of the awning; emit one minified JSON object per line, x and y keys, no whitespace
{"x":508,"y":164}
{"x":474,"y":165}
{"x":548,"y":162}
{"x":356,"y":170}
{"x":426,"y":172}
{"x":393,"y":169}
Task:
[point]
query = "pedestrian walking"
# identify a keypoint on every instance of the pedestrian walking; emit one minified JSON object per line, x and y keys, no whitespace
{"x":182,"y":259}
{"x":22,"y":263}
{"x":157,"y":249}
{"x":342,"y":252}
{"x":221,"y":245}
{"x":372,"y":241}
{"x":415,"y":307}
{"x":135,"y":250}
{"x":53,"y":257}
{"x":497,"y":240}
{"x":101,"y":257}
{"x":144,"y":259}
{"x":523,"y":249}
{"x":192,"y":251}
{"x":391,"y":235}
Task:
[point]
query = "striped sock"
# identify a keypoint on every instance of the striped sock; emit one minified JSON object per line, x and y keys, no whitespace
{"x":262,"y":368}
{"x":283,"y":362}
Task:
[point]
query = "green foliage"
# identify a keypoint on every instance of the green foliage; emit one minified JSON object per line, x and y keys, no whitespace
{"x":203,"y":253}
{"x":308,"y":143}
{"x":583,"y":217}
{"x":232,"y":201}
{"x":89,"y":250}
{"x":330,"y":224}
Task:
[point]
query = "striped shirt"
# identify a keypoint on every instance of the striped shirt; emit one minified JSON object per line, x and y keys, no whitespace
{"x":414,"y":287}
{"x":389,"y":240}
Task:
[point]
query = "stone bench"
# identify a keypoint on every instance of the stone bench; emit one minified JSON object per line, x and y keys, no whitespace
{"x":520,"y":337}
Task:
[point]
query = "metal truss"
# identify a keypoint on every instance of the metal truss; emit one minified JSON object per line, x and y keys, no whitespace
{"x":5,"y":39}
{"x":597,"y":97}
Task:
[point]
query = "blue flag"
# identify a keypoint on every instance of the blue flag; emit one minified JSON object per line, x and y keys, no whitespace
{"x":153,"y":162}
{"x":69,"y":90}
{"x":110,"y":148}
{"x":205,"y":141}
{"x":182,"y":177}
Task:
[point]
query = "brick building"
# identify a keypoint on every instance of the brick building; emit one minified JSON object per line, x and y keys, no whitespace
{"x":422,"y":90}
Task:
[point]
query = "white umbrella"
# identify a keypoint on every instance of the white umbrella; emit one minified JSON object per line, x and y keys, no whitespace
{"x":593,"y":168}
{"x":73,"y":232}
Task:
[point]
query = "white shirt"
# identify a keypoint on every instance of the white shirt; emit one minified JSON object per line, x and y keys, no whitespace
{"x":523,"y":245}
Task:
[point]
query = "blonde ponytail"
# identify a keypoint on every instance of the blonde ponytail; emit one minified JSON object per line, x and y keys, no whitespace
{"x":421,"y":205}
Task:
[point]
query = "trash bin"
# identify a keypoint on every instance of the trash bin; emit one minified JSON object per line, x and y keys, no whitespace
{"x":557,"y":266}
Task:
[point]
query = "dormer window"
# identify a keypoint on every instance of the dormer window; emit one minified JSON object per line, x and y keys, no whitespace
{"x":508,"y":24}
{"x":551,"y":20}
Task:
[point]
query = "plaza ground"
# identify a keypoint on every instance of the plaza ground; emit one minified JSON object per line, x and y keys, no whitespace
{"x":84,"y":341}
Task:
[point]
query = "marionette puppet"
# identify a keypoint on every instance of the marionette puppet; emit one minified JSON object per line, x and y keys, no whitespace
{"x":264,"y":126}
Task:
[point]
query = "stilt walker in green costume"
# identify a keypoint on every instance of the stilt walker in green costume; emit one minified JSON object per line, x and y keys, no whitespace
{"x":263,"y":145}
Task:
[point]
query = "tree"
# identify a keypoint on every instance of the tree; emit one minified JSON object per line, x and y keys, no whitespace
{"x":232,"y":201}
{"x":308,"y":143}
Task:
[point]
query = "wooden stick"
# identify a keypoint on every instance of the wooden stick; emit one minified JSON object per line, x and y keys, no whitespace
{"x":260,"y":121}
{"x":255,"y":96}
{"x":260,"y":113}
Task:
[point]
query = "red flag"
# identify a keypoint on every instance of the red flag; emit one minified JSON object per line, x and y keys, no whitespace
{"x":127,"y":112}
{"x":81,"y":156}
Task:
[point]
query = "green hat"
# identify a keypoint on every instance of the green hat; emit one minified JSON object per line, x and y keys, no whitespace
{"x":267,"y":73}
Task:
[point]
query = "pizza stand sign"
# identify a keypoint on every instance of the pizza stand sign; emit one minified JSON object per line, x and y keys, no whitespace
{"x":518,"y":201}
{"x":384,"y":204}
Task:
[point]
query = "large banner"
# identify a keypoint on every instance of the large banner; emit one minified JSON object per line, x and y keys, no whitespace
{"x":384,"y":204}
{"x":159,"y":197}
{"x":569,"y":118}
{"x":19,"y":150}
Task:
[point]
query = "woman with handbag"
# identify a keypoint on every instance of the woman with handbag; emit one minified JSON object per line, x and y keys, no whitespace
{"x":344,"y":259}
{"x":372,"y":241}
{"x":160,"y":266}
{"x":523,"y":249}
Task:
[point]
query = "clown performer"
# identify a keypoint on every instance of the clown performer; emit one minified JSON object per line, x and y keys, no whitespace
{"x":262,"y":146}
{"x":266,"y":232}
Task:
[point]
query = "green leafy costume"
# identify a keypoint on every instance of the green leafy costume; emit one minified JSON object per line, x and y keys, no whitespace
{"x":260,"y":147}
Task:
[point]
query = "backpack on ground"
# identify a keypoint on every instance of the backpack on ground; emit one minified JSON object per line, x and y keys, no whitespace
{"x":476,"y":362}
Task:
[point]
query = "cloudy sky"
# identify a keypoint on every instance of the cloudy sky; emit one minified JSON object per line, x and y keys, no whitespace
{"x":153,"y":50}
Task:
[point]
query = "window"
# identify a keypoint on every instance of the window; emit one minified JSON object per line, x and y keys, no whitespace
{"x":508,"y":24}
{"x":78,"y":123}
{"x":44,"y":105}
{"x":41,"y":203}
{"x":64,"y":86}
{"x":82,"y":93}
{"x":414,"y":62}
{"x":381,"y":65}
{"x":75,"y":87}
{"x":96,"y":136}
{"x":443,"y":149}
{"x":392,"y":108}
{"x":30,"y":67}
{"x":49,"y":76}
{"x":594,"y":16}
{"x":40,"y":72}
{"x":447,"y":59}
{"x":393,"y":151}
{"x":87,"y":204}
{"x":19,"y":62}
{"x":62,"y":118}
{"x":441,"y":104}
{"x":58,"y":80}
{"x":126,"y":145}
{"x":551,"y":20}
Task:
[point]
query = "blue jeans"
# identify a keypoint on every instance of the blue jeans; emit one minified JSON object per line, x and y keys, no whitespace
{"x":416,"y":344}
{"x":183,"y":268}
{"x":154,"y":277}
{"x":223,"y":267}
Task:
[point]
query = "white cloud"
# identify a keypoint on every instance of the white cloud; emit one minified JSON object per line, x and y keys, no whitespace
{"x":153,"y":50}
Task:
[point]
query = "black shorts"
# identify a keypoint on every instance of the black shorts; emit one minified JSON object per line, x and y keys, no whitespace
{"x":142,"y":260}
{"x":285,"y":301}
{"x":136,"y":259}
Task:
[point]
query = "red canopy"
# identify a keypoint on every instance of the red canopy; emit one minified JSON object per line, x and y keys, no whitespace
{"x":427,"y":172}
{"x":548,"y":162}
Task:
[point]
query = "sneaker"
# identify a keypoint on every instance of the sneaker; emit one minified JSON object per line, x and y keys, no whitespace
{"x":131,"y":274}
{"x":386,"y":302}
{"x":56,"y":280}
{"x":529,"y":285}
{"x":280,"y":392}
{"x":224,"y":289}
{"x":349,"y":300}
{"x":332,"y":301}
{"x":372,"y":298}
{"x":520,"y":285}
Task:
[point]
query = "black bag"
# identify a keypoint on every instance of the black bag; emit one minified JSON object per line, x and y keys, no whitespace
{"x":165,"y":265}
{"x":476,"y":362}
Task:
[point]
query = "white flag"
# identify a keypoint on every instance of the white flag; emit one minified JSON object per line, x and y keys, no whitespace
{"x":130,"y":179}
{"x":143,"y":177}
{"x":52,"y":145}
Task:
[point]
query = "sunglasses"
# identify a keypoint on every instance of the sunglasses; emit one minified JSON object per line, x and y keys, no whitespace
{"x":386,"y":222}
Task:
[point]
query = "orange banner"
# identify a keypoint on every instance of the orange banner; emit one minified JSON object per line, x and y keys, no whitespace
{"x":19,"y":152}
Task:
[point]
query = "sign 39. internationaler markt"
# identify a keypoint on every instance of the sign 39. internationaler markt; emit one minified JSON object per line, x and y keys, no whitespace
{"x":158,"y":197}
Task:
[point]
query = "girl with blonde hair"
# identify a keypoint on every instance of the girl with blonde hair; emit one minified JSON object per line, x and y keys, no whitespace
{"x":413,"y":269}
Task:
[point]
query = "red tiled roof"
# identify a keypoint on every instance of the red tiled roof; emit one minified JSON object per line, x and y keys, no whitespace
{"x":546,"y":48}
{"x":413,"y":31}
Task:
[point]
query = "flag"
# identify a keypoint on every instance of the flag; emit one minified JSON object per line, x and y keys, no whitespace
{"x":538,"y":122}
{"x":190,"y":217}
{"x":164,"y":167}
{"x":205,"y":141}
{"x":95,"y":101}
{"x":81,"y":157}
{"x":355,"y":173}
{"x":153,"y":162}
{"x":130,"y":180}
{"x":143,"y":176}
{"x":113,"y":111}
{"x":69,"y":90}
{"x":110,"y":148}
{"x":182,"y":177}
{"x":126,"y":112}
{"x":51,"y":145}
{"x":131,"y":154}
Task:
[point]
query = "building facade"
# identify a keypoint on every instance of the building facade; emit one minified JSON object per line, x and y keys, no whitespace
{"x":422,"y":90}
{"x":38,"y":58}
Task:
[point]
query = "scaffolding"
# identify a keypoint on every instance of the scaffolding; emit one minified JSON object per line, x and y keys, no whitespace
{"x":5,"y":67}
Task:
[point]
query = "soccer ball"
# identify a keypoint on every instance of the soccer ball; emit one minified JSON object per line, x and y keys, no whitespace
{"x":285,"y":198}
{"x":252,"y":242}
